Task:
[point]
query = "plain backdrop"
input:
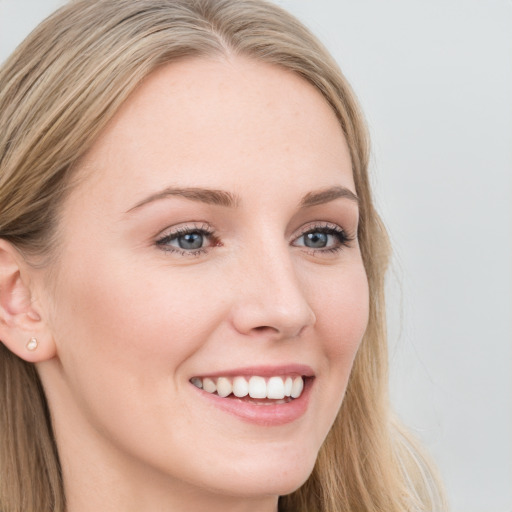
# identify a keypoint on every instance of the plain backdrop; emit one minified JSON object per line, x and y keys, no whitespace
{"x":434,"y":78}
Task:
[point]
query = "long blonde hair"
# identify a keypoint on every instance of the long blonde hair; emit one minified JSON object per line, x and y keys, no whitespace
{"x":57,"y":91}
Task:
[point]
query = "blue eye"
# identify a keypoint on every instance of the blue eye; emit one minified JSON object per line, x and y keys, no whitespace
{"x":186,"y":240}
{"x":190,"y":241}
{"x":324,"y":238}
{"x":316,"y":240}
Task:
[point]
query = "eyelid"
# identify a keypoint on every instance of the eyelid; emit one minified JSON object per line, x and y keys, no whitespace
{"x":318,"y":226}
{"x":185,"y":227}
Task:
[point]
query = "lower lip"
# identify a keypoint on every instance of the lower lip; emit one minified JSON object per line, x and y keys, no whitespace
{"x":264,"y":415}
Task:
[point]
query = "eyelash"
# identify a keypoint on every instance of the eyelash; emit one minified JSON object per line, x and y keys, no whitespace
{"x":207,"y":232}
{"x":343,"y":238}
{"x":204,"y":230}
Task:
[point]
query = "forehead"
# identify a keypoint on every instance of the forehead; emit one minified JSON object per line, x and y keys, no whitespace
{"x":226,"y":122}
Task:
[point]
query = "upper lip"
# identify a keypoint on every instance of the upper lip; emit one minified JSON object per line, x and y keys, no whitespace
{"x":263,"y":371}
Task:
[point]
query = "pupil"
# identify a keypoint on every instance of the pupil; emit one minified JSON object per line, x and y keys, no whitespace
{"x":316,"y":240}
{"x":191,"y":241}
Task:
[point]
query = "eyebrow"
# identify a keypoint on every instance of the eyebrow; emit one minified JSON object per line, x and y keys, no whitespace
{"x":327,"y":195}
{"x":226,"y":199}
{"x":203,"y":195}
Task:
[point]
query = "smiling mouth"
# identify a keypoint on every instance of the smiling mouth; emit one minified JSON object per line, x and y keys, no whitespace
{"x":256,"y":389}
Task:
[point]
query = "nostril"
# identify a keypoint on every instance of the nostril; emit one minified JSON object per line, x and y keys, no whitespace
{"x":264,"y":328}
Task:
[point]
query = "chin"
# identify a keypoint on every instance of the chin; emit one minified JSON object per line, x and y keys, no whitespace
{"x":276,"y":479}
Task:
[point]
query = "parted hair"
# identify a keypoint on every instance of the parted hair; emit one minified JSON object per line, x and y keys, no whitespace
{"x":58,"y":90}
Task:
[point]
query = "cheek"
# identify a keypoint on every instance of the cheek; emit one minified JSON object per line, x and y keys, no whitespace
{"x":342,"y":310}
{"x":137,"y":318}
{"x":124,"y":340}
{"x":341,"y":307}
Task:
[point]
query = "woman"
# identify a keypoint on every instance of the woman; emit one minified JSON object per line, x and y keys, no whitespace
{"x":191,"y":270}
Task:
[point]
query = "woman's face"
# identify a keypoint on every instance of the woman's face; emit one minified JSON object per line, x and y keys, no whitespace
{"x":210,"y":241}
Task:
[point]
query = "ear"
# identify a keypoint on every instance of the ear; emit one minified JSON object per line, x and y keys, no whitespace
{"x":21,"y":321}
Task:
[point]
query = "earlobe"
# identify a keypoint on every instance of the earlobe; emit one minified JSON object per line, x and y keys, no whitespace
{"x":22,"y":328}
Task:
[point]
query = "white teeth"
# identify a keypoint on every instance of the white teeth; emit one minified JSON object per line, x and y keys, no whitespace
{"x":257,"y":387}
{"x":224,"y":387}
{"x":275,"y":388}
{"x":288,"y":383}
{"x":209,"y":385}
{"x":240,"y":387}
{"x":298,"y":386}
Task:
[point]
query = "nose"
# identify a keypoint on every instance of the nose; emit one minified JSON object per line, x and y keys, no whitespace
{"x":271,"y":301}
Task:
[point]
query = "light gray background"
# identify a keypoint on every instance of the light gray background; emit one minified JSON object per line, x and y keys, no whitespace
{"x":435,"y":80}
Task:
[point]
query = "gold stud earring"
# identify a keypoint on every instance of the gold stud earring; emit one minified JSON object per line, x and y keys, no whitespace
{"x":32,"y":344}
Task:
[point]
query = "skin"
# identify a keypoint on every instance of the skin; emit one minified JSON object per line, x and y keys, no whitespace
{"x":128,"y":322}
